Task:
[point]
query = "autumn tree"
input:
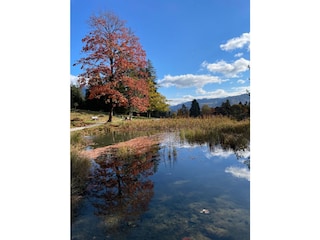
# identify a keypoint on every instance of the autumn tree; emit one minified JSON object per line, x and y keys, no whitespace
{"x":206,"y":110}
{"x":114,"y":64}
{"x":157,"y":100}
{"x":183,"y":111}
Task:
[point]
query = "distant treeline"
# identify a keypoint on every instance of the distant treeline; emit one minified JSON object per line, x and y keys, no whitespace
{"x":238,"y":111}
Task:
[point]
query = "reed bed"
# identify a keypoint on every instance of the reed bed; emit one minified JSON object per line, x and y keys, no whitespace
{"x":195,"y":126}
{"x":174,"y":124}
{"x":225,"y":132}
{"x":80,"y":168}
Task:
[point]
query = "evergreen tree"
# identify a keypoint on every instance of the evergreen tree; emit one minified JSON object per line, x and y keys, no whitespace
{"x":195,"y":109}
{"x":226,"y":108}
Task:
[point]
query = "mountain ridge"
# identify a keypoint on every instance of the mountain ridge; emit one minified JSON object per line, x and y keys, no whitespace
{"x":214,"y":102}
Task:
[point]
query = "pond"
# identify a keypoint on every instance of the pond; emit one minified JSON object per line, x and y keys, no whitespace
{"x":176,"y":190}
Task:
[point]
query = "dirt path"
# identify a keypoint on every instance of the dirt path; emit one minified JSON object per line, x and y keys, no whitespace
{"x":89,"y":126}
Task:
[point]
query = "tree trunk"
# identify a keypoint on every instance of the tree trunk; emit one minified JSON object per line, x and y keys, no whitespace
{"x":111,"y":111}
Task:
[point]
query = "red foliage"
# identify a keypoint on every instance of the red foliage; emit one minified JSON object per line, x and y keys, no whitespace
{"x":115,"y":63}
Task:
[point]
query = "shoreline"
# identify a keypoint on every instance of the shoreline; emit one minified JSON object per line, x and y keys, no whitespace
{"x":139,"y":144}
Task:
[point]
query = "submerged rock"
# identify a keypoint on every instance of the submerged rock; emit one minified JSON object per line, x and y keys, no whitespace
{"x":205,"y":211}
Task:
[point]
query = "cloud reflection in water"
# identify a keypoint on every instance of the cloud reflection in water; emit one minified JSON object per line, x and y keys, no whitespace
{"x":239,"y":172}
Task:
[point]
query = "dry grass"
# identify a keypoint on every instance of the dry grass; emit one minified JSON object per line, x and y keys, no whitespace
{"x":153,"y":126}
{"x":80,"y":167}
{"x":174,"y":124}
{"x":81,"y":118}
{"x":218,"y":128}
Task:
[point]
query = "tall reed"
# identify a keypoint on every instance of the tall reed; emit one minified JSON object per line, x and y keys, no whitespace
{"x":173,"y":124}
{"x":80,"y":167}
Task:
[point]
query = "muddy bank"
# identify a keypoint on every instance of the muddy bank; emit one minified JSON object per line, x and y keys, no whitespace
{"x":139,"y":144}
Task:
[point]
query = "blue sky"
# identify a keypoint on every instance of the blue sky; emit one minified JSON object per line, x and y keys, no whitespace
{"x":199,"y":49}
{"x":35,"y":97}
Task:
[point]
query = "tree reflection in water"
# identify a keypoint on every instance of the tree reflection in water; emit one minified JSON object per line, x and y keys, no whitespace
{"x":120,"y":188}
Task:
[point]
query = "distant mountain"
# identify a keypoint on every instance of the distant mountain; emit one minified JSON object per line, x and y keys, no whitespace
{"x":214,"y":102}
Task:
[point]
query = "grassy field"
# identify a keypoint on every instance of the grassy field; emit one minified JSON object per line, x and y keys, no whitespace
{"x":153,"y":125}
{"x":80,"y":118}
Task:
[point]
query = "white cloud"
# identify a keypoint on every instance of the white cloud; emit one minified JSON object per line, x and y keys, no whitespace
{"x":219,"y":93}
{"x":219,"y":152}
{"x":238,"y":54}
{"x":241,"y":81}
{"x":74,"y":80}
{"x":171,"y":139}
{"x":240,"y":90}
{"x":188,"y":80}
{"x":237,"y":42}
{"x":244,"y":154}
{"x":176,"y":101}
{"x":228,"y":69}
{"x":239,"y":172}
{"x":201,"y":91}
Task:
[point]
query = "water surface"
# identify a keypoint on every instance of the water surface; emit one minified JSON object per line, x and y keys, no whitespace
{"x":176,"y":190}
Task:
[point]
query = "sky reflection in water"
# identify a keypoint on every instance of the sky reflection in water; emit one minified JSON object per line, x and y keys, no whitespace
{"x":183,"y":180}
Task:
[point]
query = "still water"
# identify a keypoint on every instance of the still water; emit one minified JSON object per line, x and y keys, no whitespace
{"x":175,"y":191}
